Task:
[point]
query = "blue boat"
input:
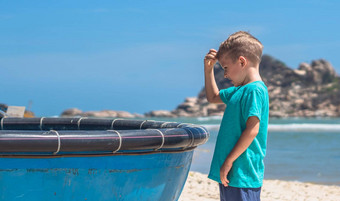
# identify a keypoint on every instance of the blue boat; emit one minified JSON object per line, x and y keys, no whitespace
{"x":95,"y":159}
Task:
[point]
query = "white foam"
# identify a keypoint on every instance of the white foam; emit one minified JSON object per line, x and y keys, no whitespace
{"x":211,"y":126}
{"x":304,"y":127}
{"x":209,"y":118}
{"x":290,"y":127}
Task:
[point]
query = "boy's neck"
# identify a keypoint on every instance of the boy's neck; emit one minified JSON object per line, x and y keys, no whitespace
{"x":252,"y":75}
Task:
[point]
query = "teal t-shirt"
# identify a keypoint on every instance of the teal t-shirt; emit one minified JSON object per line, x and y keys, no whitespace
{"x":242,"y":102}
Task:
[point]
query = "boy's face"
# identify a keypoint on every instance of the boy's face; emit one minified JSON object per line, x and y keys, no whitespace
{"x":232,"y":70}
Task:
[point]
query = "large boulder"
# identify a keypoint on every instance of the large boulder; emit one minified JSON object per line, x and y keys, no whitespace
{"x":319,"y":72}
{"x":71,"y":112}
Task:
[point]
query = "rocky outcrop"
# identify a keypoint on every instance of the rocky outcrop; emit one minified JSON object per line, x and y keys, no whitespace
{"x":310,"y":90}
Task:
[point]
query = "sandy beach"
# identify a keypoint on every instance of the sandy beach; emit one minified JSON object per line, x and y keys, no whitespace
{"x":199,"y":187}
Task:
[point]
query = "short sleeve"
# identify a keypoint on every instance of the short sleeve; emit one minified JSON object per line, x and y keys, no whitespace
{"x":251,"y":104}
{"x":225,"y":94}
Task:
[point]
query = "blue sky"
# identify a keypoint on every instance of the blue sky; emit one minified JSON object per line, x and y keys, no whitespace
{"x":140,"y":56}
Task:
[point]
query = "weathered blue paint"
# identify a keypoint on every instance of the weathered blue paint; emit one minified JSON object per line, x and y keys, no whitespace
{"x":155,"y":176}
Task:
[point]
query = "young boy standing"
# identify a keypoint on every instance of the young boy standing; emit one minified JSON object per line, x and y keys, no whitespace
{"x":237,"y":163}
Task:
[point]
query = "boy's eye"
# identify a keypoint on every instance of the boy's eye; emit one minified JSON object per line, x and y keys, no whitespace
{"x":224,"y":68}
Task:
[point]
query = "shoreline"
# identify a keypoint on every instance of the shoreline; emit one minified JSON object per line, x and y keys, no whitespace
{"x":199,"y":187}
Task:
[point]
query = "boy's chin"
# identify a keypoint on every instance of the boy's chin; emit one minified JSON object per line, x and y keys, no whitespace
{"x":234,"y":83}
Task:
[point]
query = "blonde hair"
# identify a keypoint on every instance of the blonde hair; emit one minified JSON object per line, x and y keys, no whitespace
{"x":239,"y":44}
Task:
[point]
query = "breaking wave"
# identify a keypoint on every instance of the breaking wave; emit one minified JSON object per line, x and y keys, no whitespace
{"x":290,"y":127}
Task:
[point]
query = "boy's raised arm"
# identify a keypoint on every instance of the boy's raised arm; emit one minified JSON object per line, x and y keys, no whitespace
{"x":211,"y":89}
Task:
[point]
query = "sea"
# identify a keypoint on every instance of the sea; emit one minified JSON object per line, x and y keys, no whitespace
{"x":298,"y":149}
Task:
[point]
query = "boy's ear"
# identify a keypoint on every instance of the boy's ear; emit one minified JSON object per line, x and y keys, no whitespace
{"x":243,"y":61}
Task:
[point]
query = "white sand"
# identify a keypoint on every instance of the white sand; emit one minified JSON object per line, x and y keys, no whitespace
{"x":199,"y":187}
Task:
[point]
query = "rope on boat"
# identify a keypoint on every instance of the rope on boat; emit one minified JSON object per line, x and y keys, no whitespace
{"x":78,"y":123}
{"x":191,"y":140}
{"x":2,"y":123}
{"x":163,"y":124}
{"x":141,"y":125}
{"x":180,"y":124}
{"x":59,"y":142}
{"x":163,"y":138}
{"x":120,"y":140}
{"x":41,"y":122}
{"x":113,"y":123}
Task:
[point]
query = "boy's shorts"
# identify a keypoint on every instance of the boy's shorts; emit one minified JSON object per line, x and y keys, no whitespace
{"x":239,"y":194}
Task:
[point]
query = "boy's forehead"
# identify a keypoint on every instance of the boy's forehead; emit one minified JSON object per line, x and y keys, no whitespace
{"x":224,"y":60}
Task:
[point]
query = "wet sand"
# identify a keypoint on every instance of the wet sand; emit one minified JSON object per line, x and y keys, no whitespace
{"x":199,"y":187}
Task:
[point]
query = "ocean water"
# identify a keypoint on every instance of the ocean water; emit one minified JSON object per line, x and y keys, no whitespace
{"x":298,"y":149}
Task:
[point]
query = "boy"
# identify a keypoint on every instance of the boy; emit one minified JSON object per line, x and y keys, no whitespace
{"x":237,"y":163}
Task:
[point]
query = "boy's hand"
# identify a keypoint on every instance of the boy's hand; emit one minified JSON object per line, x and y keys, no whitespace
{"x":224,"y":172}
{"x":210,"y":59}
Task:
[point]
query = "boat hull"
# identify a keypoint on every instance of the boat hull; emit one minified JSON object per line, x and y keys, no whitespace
{"x":128,"y":177}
